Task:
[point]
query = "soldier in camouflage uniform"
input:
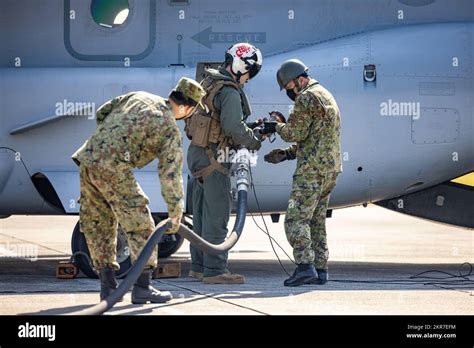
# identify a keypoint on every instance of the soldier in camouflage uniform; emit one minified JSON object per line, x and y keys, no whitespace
{"x":315,"y":127}
{"x":132,"y":130}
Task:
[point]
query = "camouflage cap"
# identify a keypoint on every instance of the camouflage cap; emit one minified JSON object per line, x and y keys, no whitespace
{"x":191,"y":89}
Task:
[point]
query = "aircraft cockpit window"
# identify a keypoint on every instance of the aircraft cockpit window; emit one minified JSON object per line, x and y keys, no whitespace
{"x":110,"y":13}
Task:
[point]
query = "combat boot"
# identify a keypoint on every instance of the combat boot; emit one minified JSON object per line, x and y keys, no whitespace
{"x":323,"y":276}
{"x":108,"y":283}
{"x":143,"y":292}
{"x":304,"y":274}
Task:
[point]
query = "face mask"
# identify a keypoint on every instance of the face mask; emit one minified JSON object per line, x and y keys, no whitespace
{"x":291,"y":94}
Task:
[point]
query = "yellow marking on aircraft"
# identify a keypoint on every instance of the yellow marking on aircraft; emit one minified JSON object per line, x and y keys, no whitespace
{"x":467,"y":179}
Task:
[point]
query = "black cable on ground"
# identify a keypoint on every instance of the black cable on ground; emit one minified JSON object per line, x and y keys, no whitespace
{"x":270,"y":238}
{"x":212,"y":297}
{"x":450,"y":275}
{"x":459,"y":282}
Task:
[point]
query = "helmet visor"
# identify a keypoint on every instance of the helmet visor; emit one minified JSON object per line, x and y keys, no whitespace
{"x":254,"y":69}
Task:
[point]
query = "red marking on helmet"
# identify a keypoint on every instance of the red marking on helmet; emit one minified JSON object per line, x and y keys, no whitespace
{"x":241,"y":50}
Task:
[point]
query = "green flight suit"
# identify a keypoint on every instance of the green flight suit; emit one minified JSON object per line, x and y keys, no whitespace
{"x":212,"y":201}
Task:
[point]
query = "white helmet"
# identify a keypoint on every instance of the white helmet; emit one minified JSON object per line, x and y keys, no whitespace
{"x":243,"y":58}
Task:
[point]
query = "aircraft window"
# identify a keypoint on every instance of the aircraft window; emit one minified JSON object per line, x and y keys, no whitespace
{"x":110,"y":13}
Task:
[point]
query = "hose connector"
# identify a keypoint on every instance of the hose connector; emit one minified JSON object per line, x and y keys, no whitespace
{"x":241,"y":169}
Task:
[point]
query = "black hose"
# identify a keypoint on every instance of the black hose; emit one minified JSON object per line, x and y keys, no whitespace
{"x":230,"y":241}
{"x":193,"y":238}
{"x":131,"y":278}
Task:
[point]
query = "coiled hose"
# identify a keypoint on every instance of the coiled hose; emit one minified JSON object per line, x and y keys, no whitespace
{"x":241,"y":171}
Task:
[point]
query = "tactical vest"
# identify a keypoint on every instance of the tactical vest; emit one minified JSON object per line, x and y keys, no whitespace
{"x":203,"y":127}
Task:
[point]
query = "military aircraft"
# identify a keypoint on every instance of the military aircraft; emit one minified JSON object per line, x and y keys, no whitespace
{"x":400,"y":70}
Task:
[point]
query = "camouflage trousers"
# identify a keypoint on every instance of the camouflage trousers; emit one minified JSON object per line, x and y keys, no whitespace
{"x":305,"y":221}
{"x":112,"y":196}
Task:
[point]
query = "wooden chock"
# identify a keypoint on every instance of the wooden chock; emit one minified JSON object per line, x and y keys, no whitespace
{"x":66,"y":270}
{"x":167,"y":270}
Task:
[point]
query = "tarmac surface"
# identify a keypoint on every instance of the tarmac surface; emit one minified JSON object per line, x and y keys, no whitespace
{"x":374,"y":255}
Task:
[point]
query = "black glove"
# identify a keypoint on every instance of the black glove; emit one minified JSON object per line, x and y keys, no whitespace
{"x":277,"y":116}
{"x":255,"y":124}
{"x":276,"y":156}
{"x":269,"y":127}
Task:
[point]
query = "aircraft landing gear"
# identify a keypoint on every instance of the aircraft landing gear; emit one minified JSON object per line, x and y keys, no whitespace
{"x":169,"y":244}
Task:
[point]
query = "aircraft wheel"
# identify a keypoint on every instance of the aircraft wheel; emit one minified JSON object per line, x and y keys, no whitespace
{"x":78,"y":244}
{"x":169,"y":244}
